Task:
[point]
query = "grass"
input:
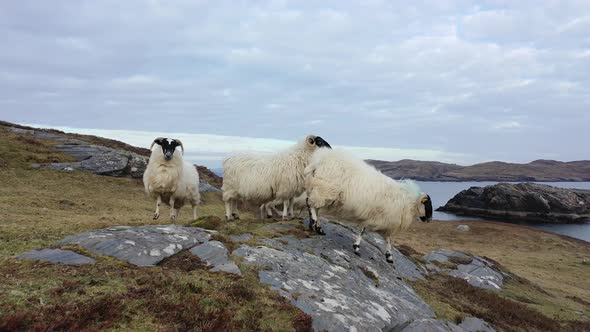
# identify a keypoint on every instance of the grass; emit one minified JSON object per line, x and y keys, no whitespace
{"x":548,"y":269}
{"x":40,"y":207}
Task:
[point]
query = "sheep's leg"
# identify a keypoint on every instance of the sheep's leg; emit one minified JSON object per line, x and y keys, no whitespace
{"x":316,"y":221}
{"x":172,"y":209}
{"x":235,"y":213}
{"x":388,"y":256}
{"x":357,"y":243}
{"x":262,"y":210}
{"x":291,"y":206}
{"x":285,"y":209}
{"x":269,"y":208}
{"x":195,"y":212}
{"x":311,"y":221}
{"x":158,"y":202}
{"x":228,"y":215}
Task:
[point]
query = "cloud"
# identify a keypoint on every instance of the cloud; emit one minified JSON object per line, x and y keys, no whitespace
{"x":425,"y":76}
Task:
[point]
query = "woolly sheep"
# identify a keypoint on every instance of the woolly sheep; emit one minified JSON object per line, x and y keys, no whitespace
{"x":169,"y":179}
{"x":358,"y":193}
{"x":263,"y":178}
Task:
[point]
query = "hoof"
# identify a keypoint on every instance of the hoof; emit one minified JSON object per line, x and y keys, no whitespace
{"x":235,"y":216}
{"x":358,"y":253}
{"x":311,"y":225}
{"x":319,"y":230}
{"x":156,"y":216}
{"x":389,"y":258}
{"x":357,"y":249}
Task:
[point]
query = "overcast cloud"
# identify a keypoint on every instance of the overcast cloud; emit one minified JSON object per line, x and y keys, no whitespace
{"x":455,"y":81}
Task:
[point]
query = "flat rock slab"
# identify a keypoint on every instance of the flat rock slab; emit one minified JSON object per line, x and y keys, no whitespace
{"x":139,"y":245}
{"x":479,"y":272}
{"x":215,"y":255}
{"x":60,"y":256}
{"x":322,"y":276}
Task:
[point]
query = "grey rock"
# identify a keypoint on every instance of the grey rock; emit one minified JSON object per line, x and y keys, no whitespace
{"x":215,"y":254}
{"x":442,"y":255}
{"x":206,"y":187}
{"x":530,"y":202}
{"x":472,"y":324}
{"x":322,"y":276}
{"x":432,"y":325}
{"x":139,"y":245}
{"x":67,"y":257}
{"x":479,"y":272}
{"x":463,"y":228}
{"x":241,"y":238}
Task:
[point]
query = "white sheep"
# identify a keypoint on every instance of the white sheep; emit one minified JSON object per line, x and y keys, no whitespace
{"x":264,"y":178}
{"x":357,"y":193}
{"x":169,"y":179}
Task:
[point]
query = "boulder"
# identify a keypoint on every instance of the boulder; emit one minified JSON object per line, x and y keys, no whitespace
{"x":472,"y":324}
{"x":463,"y":228}
{"x":60,"y":256}
{"x":477,"y":271}
{"x":340,"y":290}
{"x":139,"y":245}
{"x":214,"y":254}
{"x":529,"y":202}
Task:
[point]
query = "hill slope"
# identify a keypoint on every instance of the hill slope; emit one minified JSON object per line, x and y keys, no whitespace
{"x":538,"y":170}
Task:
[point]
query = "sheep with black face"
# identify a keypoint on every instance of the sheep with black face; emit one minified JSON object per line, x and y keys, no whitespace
{"x":260,"y":178}
{"x":170,"y":179}
{"x":357,"y":193}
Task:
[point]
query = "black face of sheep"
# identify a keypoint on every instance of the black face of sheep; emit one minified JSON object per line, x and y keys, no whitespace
{"x":168,"y":146}
{"x":320,"y":143}
{"x":427,"y":217}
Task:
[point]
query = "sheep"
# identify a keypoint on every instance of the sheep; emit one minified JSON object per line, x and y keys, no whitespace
{"x":263,"y":178}
{"x":170,"y":179}
{"x":359,"y":194}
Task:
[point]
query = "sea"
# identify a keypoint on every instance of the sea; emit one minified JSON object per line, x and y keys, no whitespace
{"x":442,"y":192}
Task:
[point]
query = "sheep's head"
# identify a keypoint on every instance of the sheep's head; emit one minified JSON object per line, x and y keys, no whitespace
{"x":425,"y":208}
{"x":313,"y":141}
{"x":168,"y":146}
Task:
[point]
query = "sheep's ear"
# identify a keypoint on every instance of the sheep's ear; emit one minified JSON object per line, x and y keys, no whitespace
{"x":181,"y":146}
{"x":157,"y":141}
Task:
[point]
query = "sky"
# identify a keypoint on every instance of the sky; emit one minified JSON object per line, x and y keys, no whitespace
{"x":453,"y":81}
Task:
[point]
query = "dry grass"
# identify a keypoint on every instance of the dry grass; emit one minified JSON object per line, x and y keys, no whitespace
{"x":551,"y":267}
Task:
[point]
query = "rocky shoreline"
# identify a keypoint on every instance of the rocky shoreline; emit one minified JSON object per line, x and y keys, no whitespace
{"x":523,"y":202}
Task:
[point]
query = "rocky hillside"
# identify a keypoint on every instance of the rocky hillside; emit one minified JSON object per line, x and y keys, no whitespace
{"x":538,"y":170}
{"x":98,"y":155}
{"x":530,"y":202}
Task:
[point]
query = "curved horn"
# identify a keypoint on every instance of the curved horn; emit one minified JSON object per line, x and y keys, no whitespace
{"x":181,"y":146}
{"x":156,"y":141}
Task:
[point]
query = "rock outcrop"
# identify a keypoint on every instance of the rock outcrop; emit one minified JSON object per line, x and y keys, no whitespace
{"x":140,"y":245}
{"x":321,"y":275}
{"x":528,"y":202}
{"x":477,"y":271}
